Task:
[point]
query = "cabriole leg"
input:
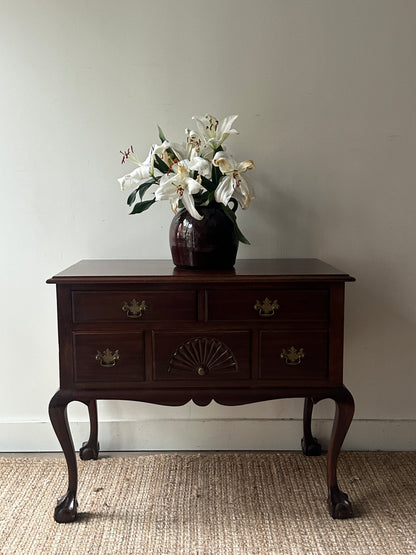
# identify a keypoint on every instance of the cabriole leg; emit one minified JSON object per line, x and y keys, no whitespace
{"x":91,"y":448}
{"x":338,"y":503}
{"x":310,"y":445}
{"x":66,"y":509}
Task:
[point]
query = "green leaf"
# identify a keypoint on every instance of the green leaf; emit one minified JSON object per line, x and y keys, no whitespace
{"x":145,"y":186}
{"x":231,"y":215}
{"x":240,"y":236}
{"x":202,"y":199}
{"x":207,"y":184}
{"x":142,"y":206}
{"x":160,"y":164}
{"x":141,"y":189}
{"x":132,"y":197}
{"x":161,"y":135}
{"x":216,"y":175}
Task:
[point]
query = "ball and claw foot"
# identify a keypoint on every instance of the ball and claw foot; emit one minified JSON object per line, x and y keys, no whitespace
{"x":66,"y":509}
{"x":339,"y":505}
{"x":89,"y":451}
{"x":311,"y":449}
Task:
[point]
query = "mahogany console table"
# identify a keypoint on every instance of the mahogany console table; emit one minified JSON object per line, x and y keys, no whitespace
{"x":147,"y":331}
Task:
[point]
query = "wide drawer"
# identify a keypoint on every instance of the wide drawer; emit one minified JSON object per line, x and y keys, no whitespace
{"x":133,"y":306}
{"x":201,"y":356}
{"x":108,"y":358}
{"x":267,"y":305}
{"x":293,"y":355}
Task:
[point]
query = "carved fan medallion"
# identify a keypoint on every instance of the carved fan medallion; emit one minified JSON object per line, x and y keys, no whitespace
{"x":202,"y":356}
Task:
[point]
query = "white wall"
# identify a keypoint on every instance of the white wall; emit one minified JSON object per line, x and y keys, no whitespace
{"x":326,"y":92}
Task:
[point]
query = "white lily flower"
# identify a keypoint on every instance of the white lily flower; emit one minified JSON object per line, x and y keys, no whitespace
{"x":196,"y":146}
{"x":192,"y":149}
{"x":134,"y":178}
{"x":180,"y":151}
{"x":202,"y":166}
{"x":179,"y":186}
{"x":189,"y":168}
{"x":214,"y":131}
{"x":194,"y":143}
{"x":233,"y":183}
{"x":144,"y":170}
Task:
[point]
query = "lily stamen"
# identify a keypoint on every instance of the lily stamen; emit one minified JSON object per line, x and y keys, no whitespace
{"x":126,"y":154}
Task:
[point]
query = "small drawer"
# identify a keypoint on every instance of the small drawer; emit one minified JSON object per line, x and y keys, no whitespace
{"x":201,"y":356}
{"x":268,"y":305}
{"x":108,"y":358}
{"x":133,"y":306}
{"x":293,"y":355}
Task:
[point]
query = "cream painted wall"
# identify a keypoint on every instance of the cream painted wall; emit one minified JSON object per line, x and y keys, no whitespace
{"x":326,"y":92}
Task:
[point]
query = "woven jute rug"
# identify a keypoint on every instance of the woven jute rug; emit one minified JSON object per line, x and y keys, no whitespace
{"x":210,"y":503}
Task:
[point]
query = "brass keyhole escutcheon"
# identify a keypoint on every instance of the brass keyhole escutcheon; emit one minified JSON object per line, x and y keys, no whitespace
{"x":201,"y":371}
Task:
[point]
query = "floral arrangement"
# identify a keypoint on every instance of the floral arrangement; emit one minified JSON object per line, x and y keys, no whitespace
{"x":199,"y":172}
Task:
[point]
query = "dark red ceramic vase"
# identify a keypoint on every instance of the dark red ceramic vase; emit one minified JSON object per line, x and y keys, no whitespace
{"x":210,"y":243}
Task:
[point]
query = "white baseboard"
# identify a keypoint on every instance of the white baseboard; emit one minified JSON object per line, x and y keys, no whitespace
{"x":210,"y":434}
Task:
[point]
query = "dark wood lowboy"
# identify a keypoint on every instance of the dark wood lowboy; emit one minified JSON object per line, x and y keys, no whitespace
{"x":147,"y":331}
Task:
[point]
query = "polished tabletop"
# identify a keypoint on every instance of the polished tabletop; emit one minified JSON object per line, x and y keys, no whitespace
{"x":123,"y":271}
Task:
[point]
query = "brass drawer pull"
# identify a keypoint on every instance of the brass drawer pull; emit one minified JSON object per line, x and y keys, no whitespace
{"x":134,"y":309}
{"x":292,"y":356}
{"x":108,"y":358}
{"x":267,"y":307}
